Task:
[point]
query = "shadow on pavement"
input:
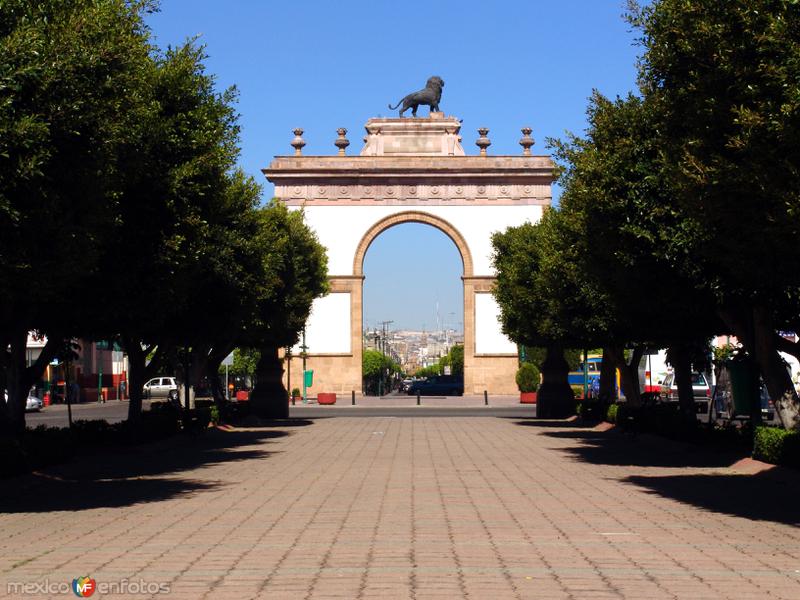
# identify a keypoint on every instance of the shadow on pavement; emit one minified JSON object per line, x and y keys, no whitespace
{"x":131,"y":475}
{"x":767,"y":496}
{"x":49,"y":495}
{"x":562,"y":423}
{"x":252,"y":422}
{"x":615,"y":448}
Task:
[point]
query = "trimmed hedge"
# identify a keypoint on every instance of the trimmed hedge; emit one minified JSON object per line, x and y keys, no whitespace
{"x":777,"y":446}
{"x":42,"y":446}
{"x":527,"y":378}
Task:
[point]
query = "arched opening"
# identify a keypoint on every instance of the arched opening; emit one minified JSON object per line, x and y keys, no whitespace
{"x":413,"y":266}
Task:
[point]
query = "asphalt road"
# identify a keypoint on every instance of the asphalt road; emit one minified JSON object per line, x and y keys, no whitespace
{"x":56,"y":415}
{"x":114,"y":410}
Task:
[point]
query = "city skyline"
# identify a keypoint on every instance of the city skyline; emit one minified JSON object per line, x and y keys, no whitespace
{"x":423,"y":274}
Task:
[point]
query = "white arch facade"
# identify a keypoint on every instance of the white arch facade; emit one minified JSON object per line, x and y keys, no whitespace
{"x":410,"y":170}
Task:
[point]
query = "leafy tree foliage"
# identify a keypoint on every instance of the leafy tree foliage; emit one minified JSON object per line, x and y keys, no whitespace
{"x":294,"y":266}
{"x":580,"y":276}
{"x":375,"y":368}
{"x":118,"y":183}
{"x":721,"y":78}
{"x":71,"y":72}
{"x":455,"y":360}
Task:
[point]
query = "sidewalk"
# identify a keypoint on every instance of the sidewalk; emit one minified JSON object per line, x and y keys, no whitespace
{"x":400,"y":399}
{"x":417,"y":508}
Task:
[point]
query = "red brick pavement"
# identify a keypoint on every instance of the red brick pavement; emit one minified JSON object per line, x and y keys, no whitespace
{"x":409,"y":508}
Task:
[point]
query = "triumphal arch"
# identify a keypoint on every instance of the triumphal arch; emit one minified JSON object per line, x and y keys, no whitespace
{"x":410,"y":170}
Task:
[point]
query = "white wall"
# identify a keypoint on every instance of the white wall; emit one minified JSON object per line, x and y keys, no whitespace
{"x":489,"y":339}
{"x":340,"y":228}
{"x":328,"y":326}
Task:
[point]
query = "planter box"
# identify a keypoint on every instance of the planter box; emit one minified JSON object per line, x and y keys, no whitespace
{"x":527,"y":397}
{"x":326,"y":398}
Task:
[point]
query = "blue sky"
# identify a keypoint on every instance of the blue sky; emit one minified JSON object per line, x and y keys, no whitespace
{"x":321,"y":65}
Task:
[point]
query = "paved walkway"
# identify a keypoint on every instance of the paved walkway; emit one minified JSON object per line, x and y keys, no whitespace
{"x":408,"y":508}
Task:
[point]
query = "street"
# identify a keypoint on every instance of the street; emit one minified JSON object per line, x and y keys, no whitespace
{"x":56,"y":415}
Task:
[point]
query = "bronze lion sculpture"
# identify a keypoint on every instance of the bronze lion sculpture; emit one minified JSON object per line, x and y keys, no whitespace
{"x":430,"y":96}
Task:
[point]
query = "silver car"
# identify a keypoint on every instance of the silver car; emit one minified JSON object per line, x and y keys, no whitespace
{"x":33,"y":403}
{"x":161,"y":387}
{"x":668,"y":391}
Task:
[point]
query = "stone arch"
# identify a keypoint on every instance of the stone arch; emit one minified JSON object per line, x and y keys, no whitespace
{"x":412,"y":216}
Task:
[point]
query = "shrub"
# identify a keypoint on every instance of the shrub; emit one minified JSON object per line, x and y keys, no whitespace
{"x":162,"y":420}
{"x":13,"y":458}
{"x":777,"y":446}
{"x":591,"y":410}
{"x":611,"y":413}
{"x":214,"y":414}
{"x":527,"y":378}
{"x":94,"y":432}
{"x":296,"y":392}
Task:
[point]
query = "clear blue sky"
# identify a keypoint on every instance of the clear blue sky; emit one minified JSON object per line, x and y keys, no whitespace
{"x":321,"y":65}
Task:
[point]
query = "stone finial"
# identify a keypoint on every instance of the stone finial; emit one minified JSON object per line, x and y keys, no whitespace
{"x":527,"y":141}
{"x":483,"y":142}
{"x":298,"y":142}
{"x":341,"y":142}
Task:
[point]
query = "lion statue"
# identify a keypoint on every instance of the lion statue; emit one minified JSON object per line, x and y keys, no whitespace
{"x":430,"y":96}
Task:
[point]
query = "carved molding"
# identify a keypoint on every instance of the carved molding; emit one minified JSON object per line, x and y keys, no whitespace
{"x":422,"y":193}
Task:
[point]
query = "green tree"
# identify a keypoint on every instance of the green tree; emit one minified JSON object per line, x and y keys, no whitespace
{"x":182,"y":230}
{"x":546,"y":299}
{"x":429,"y":371}
{"x":721,"y":78}
{"x":71,"y":77}
{"x":453,"y":359}
{"x":615,"y":188}
{"x":375,"y":367}
{"x":294,"y":267}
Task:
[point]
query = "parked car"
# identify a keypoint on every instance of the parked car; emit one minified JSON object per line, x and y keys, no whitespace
{"x":161,"y":387}
{"x":438,"y":385}
{"x":33,"y":403}
{"x":405,"y":383}
{"x":701,"y":391}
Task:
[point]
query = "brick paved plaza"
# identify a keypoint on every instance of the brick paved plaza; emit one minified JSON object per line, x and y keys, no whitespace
{"x":418,"y":508}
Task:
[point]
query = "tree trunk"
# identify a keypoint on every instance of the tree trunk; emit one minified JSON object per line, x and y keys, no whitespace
{"x":199,"y":365}
{"x":269,"y":398}
{"x":20,"y":377}
{"x":683,"y":379}
{"x":215,"y":358}
{"x":628,"y":372}
{"x":5,"y":361}
{"x":773,"y":370}
{"x":555,"y":399}
{"x":17,"y":383}
{"x":136,"y":376}
{"x":755,"y":330}
{"x":607,"y":380}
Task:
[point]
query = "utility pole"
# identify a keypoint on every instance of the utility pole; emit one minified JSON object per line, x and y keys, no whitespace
{"x":385,"y":331}
{"x":303,"y":349}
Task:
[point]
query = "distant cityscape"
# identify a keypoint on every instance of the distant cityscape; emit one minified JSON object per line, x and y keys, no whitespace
{"x":412,"y":349}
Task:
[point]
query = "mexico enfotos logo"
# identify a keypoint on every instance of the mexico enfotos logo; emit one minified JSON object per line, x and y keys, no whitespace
{"x":85,"y":587}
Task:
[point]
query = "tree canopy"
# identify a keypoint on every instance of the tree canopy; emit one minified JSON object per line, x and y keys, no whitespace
{"x":122,"y":212}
